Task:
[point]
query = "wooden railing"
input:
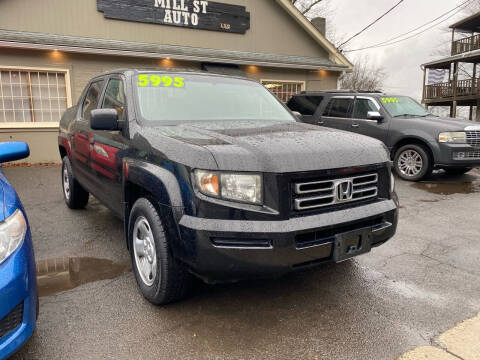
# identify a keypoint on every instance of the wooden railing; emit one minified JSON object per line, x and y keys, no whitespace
{"x":466,"y":44}
{"x":466,"y":87}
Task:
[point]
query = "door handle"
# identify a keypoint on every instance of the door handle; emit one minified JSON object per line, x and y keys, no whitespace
{"x":321,"y":122}
{"x":355,"y":125}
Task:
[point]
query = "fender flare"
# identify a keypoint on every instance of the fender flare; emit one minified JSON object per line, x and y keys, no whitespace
{"x":158,"y":181}
{"x":418,"y":136}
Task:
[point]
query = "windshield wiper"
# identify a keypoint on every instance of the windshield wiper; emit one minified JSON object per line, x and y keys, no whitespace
{"x":411,"y":115}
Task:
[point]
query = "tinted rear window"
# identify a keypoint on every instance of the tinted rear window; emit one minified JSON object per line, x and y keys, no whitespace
{"x":305,"y":105}
{"x":339,"y":107}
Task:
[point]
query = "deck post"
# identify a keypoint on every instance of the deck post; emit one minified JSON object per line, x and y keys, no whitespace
{"x":453,"y":41}
{"x":477,"y":114}
{"x":424,"y":85}
{"x":453,"y":111}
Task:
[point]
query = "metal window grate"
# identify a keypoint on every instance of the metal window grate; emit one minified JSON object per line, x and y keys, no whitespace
{"x":32,"y":96}
{"x":284,"y":90}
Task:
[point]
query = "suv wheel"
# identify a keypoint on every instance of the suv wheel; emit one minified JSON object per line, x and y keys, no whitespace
{"x":412,"y":162}
{"x":161,"y":278}
{"x":76,"y":197}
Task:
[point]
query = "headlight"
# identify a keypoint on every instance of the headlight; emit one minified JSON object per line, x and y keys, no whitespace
{"x":230,"y":186}
{"x":392,"y":182}
{"x":458,"y":137}
{"x":12,"y":232}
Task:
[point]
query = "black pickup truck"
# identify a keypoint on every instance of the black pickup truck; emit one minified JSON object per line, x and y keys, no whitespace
{"x":213,"y":176}
{"x":419,"y":141}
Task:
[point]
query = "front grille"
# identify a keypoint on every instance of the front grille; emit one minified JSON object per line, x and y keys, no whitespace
{"x":468,"y":155}
{"x":318,"y":194}
{"x":473,"y":138}
{"x":12,"y":321}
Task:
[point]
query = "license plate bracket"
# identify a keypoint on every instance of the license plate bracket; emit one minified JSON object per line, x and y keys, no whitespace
{"x":351,"y":244}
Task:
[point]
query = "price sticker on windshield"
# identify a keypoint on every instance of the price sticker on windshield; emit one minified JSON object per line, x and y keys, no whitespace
{"x":149,"y":80}
{"x":390,"y":100}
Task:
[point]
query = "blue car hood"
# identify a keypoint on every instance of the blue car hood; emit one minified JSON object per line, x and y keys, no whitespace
{"x":9,"y":201}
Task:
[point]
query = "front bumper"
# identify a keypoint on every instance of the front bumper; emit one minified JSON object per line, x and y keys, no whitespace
{"x":18,"y":289}
{"x":227,"y":250}
{"x":457,"y":155}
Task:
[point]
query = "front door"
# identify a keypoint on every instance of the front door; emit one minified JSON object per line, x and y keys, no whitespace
{"x":360,"y":124}
{"x":109,"y":148}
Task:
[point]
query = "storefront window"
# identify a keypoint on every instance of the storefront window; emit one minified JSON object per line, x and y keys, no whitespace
{"x":283,"y":90}
{"x":32,"y":96}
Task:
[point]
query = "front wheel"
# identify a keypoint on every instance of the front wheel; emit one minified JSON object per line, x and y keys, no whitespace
{"x":161,"y":278}
{"x":412,"y":162}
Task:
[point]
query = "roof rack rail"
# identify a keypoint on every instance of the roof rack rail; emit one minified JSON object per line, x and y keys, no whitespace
{"x":341,"y":91}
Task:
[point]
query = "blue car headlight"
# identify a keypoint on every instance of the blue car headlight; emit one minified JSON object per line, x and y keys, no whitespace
{"x":12,"y":233}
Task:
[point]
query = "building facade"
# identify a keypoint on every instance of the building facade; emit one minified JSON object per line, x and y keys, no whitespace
{"x":49,"y":49}
{"x":453,"y":81}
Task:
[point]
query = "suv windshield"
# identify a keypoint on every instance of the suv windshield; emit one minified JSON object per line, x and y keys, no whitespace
{"x":178,"y":97}
{"x":403,"y":106}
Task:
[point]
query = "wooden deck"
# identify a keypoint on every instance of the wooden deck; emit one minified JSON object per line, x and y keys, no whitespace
{"x":465,"y":45}
{"x":465,"y":90}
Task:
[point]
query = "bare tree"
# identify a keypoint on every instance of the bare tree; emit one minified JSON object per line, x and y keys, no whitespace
{"x":305,"y":6}
{"x":320,"y":8}
{"x":365,"y":76}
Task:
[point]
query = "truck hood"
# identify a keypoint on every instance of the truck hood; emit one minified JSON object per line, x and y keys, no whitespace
{"x":446,"y":123}
{"x":273,"y":146}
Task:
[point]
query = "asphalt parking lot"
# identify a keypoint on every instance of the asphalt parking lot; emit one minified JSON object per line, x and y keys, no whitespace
{"x":378,"y":306}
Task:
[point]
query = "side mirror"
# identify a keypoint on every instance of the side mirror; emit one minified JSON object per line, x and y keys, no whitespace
{"x":13,"y":150}
{"x":374,"y":115}
{"x":297,"y":115}
{"x":104,"y":119}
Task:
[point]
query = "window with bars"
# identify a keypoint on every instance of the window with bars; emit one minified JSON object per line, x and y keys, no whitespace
{"x":283,"y":90}
{"x":32,"y":96}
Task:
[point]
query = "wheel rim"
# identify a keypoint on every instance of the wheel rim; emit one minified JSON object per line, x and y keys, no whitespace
{"x":66,"y":183}
{"x":145,"y":251}
{"x":410,"y":163}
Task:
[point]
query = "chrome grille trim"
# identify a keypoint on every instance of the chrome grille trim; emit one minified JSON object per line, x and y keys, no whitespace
{"x":473,"y":138}
{"x":470,"y":155}
{"x":364,"y":187}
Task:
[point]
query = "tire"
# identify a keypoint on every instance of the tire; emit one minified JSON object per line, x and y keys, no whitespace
{"x":457,"y":170}
{"x":161,"y":278}
{"x":76,"y":197}
{"x":412,"y":162}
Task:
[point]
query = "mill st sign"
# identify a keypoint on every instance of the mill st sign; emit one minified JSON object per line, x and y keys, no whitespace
{"x":195,"y":14}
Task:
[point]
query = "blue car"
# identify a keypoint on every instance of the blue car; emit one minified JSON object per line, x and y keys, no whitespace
{"x":18,"y":284}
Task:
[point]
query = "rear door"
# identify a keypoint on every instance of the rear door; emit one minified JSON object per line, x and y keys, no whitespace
{"x":361,"y":125}
{"x":338,"y":112}
{"x":306,"y":105}
{"x":109,"y":147}
{"x":82,"y":134}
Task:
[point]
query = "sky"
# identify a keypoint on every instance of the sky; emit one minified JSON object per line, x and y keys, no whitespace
{"x":401,"y":61}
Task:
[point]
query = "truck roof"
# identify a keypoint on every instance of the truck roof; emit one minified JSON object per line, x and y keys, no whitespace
{"x":135,"y":71}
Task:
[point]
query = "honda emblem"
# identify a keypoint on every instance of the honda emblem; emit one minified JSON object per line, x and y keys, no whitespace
{"x":344,"y":191}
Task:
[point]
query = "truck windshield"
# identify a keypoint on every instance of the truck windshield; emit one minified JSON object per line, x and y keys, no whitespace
{"x":403,"y":106}
{"x":170,"y":97}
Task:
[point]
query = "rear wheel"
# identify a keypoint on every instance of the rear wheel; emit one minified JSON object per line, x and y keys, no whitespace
{"x":412,"y":162}
{"x":76,"y":197}
{"x":161,"y":278}
{"x":457,"y":170}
